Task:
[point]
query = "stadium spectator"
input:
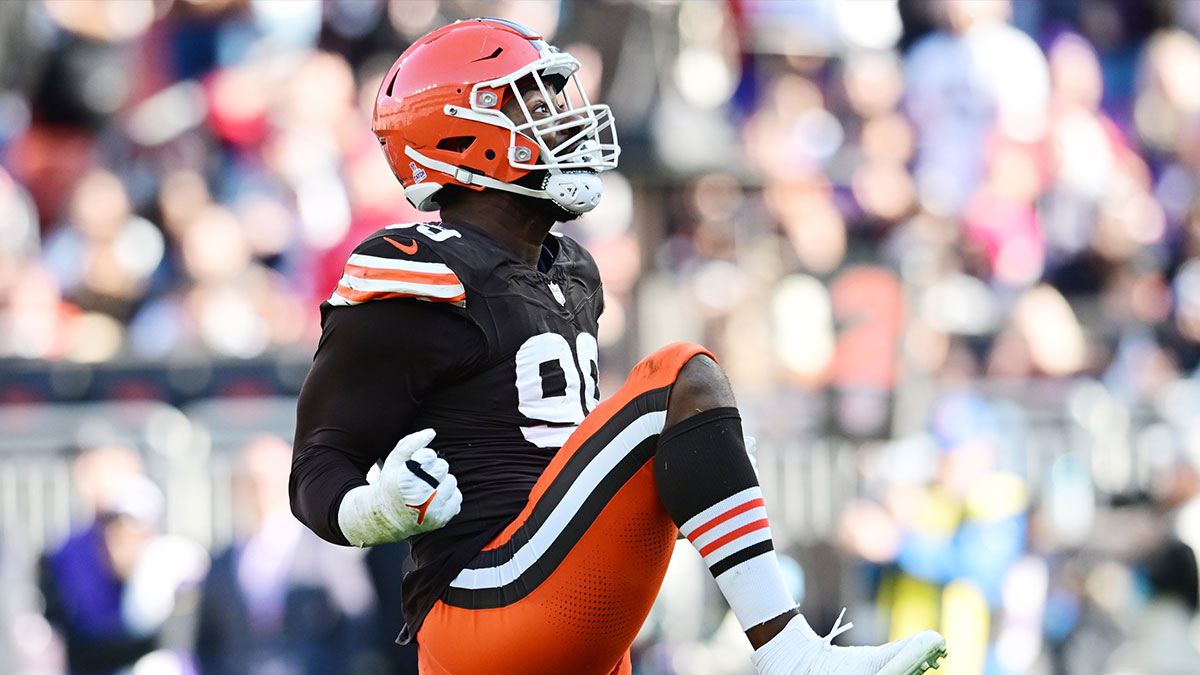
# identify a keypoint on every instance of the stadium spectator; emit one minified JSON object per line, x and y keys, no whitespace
{"x":110,"y":589}
{"x":279,"y":600}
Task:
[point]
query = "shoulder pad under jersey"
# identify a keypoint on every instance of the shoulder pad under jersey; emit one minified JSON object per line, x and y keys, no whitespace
{"x":400,"y":261}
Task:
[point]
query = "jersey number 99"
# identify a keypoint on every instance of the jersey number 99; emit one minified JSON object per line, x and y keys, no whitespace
{"x":556,"y":386}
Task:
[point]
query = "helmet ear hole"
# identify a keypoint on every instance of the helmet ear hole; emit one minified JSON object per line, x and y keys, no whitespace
{"x":490,"y":154}
{"x":457,"y":144}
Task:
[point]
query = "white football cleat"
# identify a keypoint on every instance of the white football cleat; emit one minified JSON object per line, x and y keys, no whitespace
{"x":797,"y":650}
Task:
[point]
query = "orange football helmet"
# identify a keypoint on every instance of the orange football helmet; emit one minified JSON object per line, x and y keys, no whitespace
{"x":438,"y":117}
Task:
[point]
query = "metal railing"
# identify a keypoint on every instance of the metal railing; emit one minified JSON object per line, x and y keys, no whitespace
{"x":189,"y":453}
{"x":808,"y":477}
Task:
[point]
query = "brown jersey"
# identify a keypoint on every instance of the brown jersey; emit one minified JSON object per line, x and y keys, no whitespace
{"x":439,"y":325}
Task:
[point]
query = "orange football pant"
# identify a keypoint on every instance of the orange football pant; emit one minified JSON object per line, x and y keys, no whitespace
{"x":583,"y":617}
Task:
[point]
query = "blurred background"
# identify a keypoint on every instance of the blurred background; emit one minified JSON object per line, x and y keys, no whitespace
{"x":945,"y":250}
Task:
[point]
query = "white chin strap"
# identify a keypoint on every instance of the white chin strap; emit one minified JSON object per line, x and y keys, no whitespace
{"x":575,"y":191}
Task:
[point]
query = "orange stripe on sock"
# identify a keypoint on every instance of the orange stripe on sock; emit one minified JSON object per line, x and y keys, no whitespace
{"x":694,"y":534}
{"x":743,"y":530}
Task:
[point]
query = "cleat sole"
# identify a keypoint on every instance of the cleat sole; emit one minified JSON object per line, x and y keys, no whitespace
{"x":932,"y":663}
{"x":919,"y":660}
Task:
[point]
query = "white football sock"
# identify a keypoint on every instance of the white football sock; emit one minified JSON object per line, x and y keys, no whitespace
{"x":734,"y":538}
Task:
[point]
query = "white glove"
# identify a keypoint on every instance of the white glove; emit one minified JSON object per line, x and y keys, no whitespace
{"x":415,"y":493}
{"x":751,"y":448}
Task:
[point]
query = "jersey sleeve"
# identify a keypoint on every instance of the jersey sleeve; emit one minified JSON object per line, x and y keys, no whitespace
{"x":374,"y":366}
{"x":398,"y":263}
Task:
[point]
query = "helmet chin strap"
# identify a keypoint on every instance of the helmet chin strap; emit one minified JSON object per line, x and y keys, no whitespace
{"x":575,"y":191}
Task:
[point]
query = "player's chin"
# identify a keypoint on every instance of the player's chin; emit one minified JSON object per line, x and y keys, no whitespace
{"x":551,"y":209}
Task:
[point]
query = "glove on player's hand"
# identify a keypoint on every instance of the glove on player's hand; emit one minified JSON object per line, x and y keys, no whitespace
{"x":751,"y":448}
{"x":415,"y":493}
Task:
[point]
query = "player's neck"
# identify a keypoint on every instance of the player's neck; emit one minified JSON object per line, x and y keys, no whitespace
{"x":506,"y":217}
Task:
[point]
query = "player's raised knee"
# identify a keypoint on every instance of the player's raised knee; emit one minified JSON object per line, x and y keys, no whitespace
{"x":701,"y":385}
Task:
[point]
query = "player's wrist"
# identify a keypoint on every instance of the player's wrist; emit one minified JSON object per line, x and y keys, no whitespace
{"x":415,"y":493}
{"x":368,"y":516}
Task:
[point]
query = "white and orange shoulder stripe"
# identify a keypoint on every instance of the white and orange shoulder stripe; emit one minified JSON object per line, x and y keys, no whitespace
{"x":368,"y":277}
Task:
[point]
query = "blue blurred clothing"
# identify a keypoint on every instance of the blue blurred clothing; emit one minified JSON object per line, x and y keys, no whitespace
{"x":979,"y":551}
{"x":83,"y":601}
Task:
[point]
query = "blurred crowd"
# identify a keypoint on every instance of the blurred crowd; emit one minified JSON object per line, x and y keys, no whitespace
{"x":122,"y":595}
{"x":959,"y":236}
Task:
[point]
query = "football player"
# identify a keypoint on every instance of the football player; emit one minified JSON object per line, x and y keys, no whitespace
{"x":461,"y":356}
